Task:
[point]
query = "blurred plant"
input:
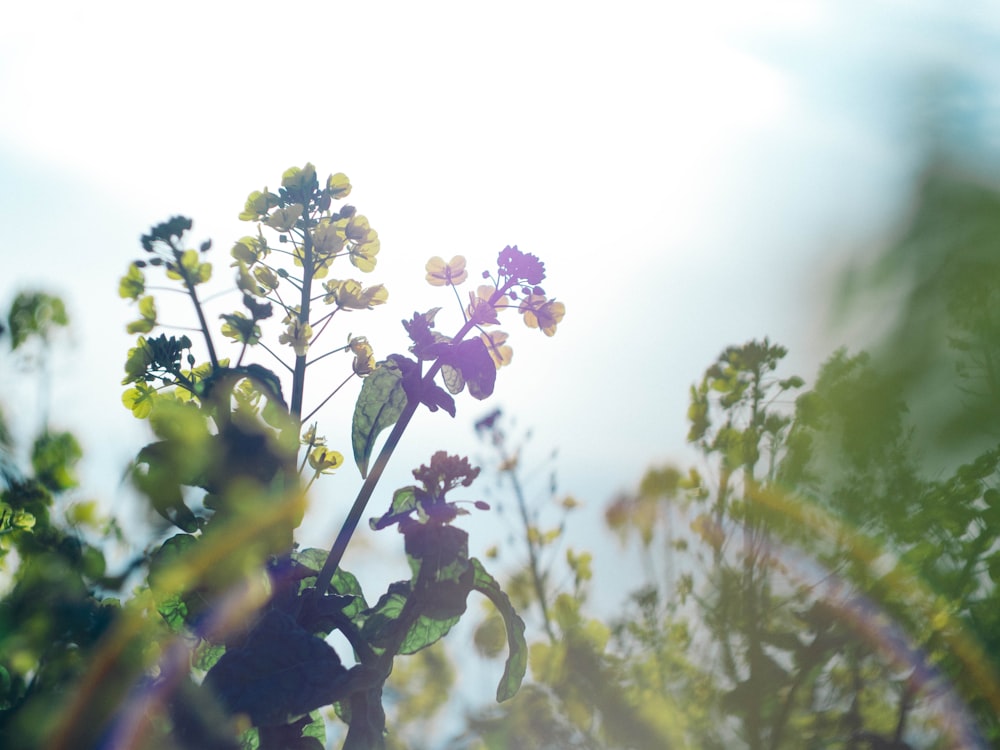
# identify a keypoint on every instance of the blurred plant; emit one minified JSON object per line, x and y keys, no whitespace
{"x":55,"y":604}
{"x":828,"y":591}
{"x":584,"y":692}
{"x":226,"y":644}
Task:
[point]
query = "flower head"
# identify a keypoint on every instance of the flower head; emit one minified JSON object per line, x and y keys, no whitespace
{"x":444,"y":473}
{"x":323,"y":460}
{"x":364,"y":355}
{"x":350,"y":295}
{"x":541,"y":313}
{"x":440,"y":273}
{"x":521,"y":267}
{"x":498,"y":349}
{"x":363,"y":255}
{"x":297,"y":336}
{"x":480,"y":310}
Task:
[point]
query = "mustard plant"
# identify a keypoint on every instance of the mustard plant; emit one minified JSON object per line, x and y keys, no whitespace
{"x":239,"y":445}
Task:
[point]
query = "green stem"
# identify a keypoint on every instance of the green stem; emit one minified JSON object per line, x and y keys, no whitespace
{"x":197,"y":308}
{"x":364,"y":495}
{"x":299,"y":373}
{"x":536,"y":574}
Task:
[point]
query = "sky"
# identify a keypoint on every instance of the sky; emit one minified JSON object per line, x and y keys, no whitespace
{"x":693,"y":175}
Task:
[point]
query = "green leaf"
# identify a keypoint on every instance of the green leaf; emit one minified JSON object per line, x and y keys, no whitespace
{"x":425,"y":632}
{"x":147,"y":321}
{"x":380,"y":620}
{"x":346,"y":584}
{"x":517,"y":659}
{"x":453,"y":378}
{"x":381,"y":401}
{"x":53,"y":457}
{"x":132,"y":284}
{"x":404,"y":500}
{"x":34,"y":314}
{"x":206,"y":655}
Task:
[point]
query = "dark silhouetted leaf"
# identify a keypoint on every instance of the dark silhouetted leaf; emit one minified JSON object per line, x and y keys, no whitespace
{"x":280,"y":674}
{"x":517,"y":658}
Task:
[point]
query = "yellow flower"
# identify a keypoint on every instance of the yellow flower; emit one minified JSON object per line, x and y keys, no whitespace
{"x":249,"y":250}
{"x":480,"y":310}
{"x":363,"y":256}
{"x":297,"y":336}
{"x":440,"y":273}
{"x":267,"y":278}
{"x":191,"y":269}
{"x":541,"y":313}
{"x":295,"y":178}
{"x":309,"y":437}
{"x":245,"y":281}
{"x":358,"y":230}
{"x":284,"y":219}
{"x":323,"y":460}
{"x":328,"y":238}
{"x":364,"y":355}
{"x":499,"y":351}
{"x":338,"y":185}
{"x":349,"y":295}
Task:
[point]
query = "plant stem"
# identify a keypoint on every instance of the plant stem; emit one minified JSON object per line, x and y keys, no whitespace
{"x":536,"y":575}
{"x":197,"y":308}
{"x":299,"y":373}
{"x":364,"y":495}
{"x":354,"y":516}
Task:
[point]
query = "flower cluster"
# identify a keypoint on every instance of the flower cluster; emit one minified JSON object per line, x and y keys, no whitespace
{"x":516,"y":286}
{"x":445,"y":473}
{"x":427,"y":506}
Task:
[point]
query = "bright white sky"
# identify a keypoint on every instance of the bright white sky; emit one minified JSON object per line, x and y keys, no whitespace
{"x":689,"y":172}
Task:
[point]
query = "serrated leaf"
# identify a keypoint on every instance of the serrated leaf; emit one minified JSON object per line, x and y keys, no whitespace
{"x":517,"y":658}
{"x":381,"y":401}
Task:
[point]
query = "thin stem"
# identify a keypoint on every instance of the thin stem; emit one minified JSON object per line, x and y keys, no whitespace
{"x":536,"y":574}
{"x":299,"y":373}
{"x":280,"y":360}
{"x":332,"y":394}
{"x":354,"y":516}
{"x":460,"y":305}
{"x":326,"y":321}
{"x":324,"y":356}
{"x":197,"y":308}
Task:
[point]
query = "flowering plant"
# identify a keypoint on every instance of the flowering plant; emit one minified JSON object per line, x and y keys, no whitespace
{"x":237,"y":450}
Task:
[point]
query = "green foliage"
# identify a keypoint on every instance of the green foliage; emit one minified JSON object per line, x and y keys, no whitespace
{"x":35,"y":314}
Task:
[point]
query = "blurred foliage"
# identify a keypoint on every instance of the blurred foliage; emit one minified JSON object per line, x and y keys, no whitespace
{"x":826,"y":575}
{"x":57,"y":600}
